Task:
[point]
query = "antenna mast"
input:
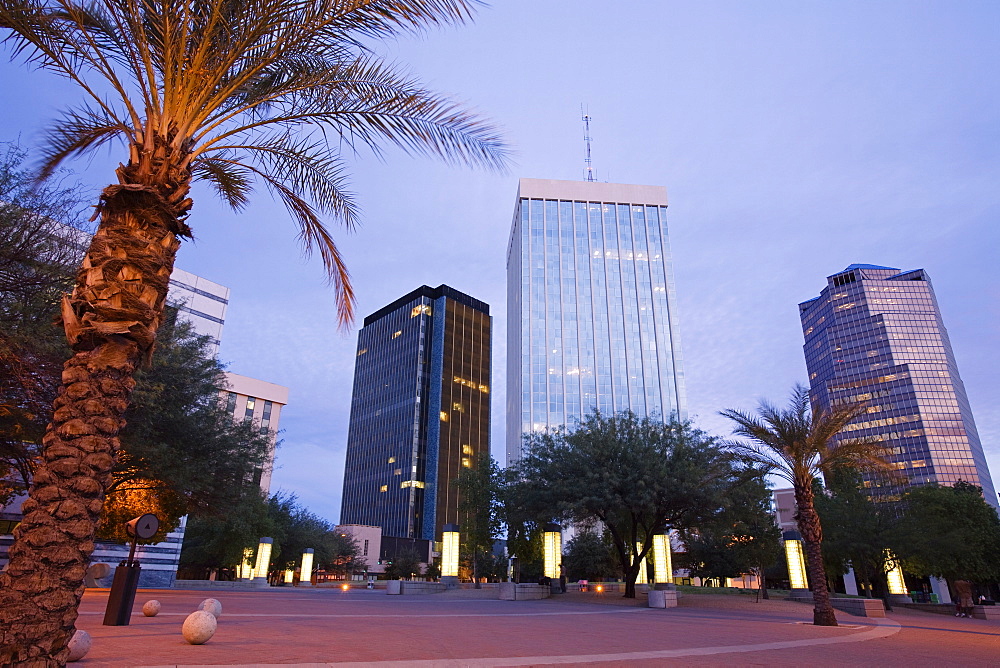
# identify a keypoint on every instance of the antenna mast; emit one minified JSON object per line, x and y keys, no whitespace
{"x":588,"y":169}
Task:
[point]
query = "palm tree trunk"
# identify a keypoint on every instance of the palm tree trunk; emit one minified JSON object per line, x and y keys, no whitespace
{"x":812,"y":539}
{"x":110,"y":322}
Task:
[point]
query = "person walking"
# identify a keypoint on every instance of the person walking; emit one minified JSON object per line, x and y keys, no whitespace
{"x":562,"y":578}
{"x":964,"y":590}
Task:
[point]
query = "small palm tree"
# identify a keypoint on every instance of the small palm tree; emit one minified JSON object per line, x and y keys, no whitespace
{"x":229,"y":92}
{"x":799,"y":443}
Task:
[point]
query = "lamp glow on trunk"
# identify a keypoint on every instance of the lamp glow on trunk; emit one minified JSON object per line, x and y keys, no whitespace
{"x":449,"y":551}
{"x":796,"y":560}
{"x":552,"y":549}
{"x":245,"y":571}
{"x":894,"y":574}
{"x":263,"y":558}
{"x":307,"y":566}
{"x":643,"y":576}
{"x":663,"y":570}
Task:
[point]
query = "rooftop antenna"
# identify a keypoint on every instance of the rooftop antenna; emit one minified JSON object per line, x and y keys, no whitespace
{"x":588,"y":168}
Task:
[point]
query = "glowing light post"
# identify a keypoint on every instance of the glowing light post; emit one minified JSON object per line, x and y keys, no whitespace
{"x":663,"y":568}
{"x":449,"y":555}
{"x":305,"y":574}
{"x":897,"y":586}
{"x":263,"y":562}
{"x":796,"y":565}
{"x":552,"y":551}
{"x":289,"y":576}
{"x":245,"y":570}
{"x":643,"y":576}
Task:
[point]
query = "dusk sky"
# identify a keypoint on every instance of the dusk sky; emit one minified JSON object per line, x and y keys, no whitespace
{"x":794,"y":139}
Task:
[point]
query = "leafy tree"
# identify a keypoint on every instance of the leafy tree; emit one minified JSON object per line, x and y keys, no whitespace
{"x":214,"y":541}
{"x":478,"y":508}
{"x":949,"y":532}
{"x":856,"y":531}
{"x":228,"y":93}
{"x":296,"y":529}
{"x":741,"y":538}
{"x":799,"y":443}
{"x":405,"y":564}
{"x":590,"y":556}
{"x":36,"y":266}
{"x":636,"y":476}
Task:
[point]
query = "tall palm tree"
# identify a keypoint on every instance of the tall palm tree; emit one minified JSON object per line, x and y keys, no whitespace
{"x":230,"y":92}
{"x":798,"y":443}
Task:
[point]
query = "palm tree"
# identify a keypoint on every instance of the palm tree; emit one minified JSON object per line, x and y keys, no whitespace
{"x":798,"y":443}
{"x":230,"y":92}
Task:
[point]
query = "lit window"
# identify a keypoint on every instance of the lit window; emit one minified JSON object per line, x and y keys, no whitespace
{"x":397,"y":333}
{"x":392,"y":460}
{"x":384,"y":488}
{"x":411,"y":483}
{"x":362,"y":352}
{"x":398,"y":472}
{"x":422,"y":309}
{"x":466,"y":449}
{"x":458,"y":407}
{"x":466,"y":462}
{"x":444,"y":416}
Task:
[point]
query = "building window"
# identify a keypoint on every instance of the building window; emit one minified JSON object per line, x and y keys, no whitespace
{"x":366,"y":549}
{"x":466,"y":462}
{"x":251,"y":404}
{"x":444,"y":416}
{"x":231,"y":403}
{"x":362,"y":352}
{"x":423,"y":309}
{"x":466,"y":449}
{"x":392,"y":460}
{"x":397,"y":333}
{"x":384,"y":488}
{"x":411,"y":483}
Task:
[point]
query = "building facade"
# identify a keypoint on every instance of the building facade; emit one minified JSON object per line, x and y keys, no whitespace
{"x":260,"y":402}
{"x":875,"y":335}
{"x":591,"y":307}
{"x":420,"y":412}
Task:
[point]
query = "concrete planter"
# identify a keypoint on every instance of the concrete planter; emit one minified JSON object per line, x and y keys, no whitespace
{"x":511,"y":591}
{"x":662,"y":598}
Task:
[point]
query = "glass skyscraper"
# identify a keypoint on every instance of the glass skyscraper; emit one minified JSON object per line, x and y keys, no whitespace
{"x":420,"y":411}
{"x":875,"y":335}
{"x":591,"y":306}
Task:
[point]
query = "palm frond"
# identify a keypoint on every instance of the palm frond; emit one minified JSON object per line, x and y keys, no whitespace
{"x":80,"y":130}
{"x":231,"y":180}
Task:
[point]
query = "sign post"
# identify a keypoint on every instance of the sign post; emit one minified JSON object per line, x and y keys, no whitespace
{"x":126,"y":580}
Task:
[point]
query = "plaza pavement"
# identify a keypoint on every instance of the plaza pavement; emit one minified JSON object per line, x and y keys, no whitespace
{"x":320,"y":627}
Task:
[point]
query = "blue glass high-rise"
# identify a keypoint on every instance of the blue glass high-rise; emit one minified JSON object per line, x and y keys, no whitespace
{"x":875,"y":334}
{"x":420,"y":412}
{"x":591,"y":308}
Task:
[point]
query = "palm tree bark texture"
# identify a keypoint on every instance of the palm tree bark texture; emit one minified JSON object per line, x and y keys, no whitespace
{"x":110,"y":322}
{"x":812,"y":543}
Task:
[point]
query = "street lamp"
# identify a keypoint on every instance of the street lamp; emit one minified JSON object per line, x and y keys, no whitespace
{"x":796,"y":562}
{"x":263,"y":561}
{"x":663,"y":570}
{"x":552,"y":547}
{"x":449,"y":555}
{"x":305,"y":573}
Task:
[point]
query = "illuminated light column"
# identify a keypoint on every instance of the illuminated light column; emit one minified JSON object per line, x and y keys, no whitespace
{"x":449,"y":554}
{"x":305,"y":574}
{"x":552,"y":546}
{"x":663,"y":568}
{"x":289,"y":576}
{"x":897,"y":586}
{"x":796,"y":564}
{"x":245,"y":570}
{"x":643,"y":575}
{"x":263,"y":562}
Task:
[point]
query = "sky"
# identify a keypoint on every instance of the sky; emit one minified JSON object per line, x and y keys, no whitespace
{"x":794,"y":139}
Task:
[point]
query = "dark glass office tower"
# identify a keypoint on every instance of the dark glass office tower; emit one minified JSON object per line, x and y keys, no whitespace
{"x":875,"y":335}
{"x":420,"y":411}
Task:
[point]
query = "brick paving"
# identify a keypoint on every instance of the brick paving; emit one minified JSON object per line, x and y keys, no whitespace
{"x":284,"y":626}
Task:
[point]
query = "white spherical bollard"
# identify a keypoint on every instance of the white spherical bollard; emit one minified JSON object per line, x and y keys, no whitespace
{"x":211,"y":605}
{"x":151,"y":608}
{"x":199,"y":627}
{"x":79,"y":645}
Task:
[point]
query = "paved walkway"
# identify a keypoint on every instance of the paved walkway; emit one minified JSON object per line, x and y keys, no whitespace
{"x":322,"y":627}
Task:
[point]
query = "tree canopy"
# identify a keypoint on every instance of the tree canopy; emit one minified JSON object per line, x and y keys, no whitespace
{"x":949,"y":532}
{"x":636,"y":476}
